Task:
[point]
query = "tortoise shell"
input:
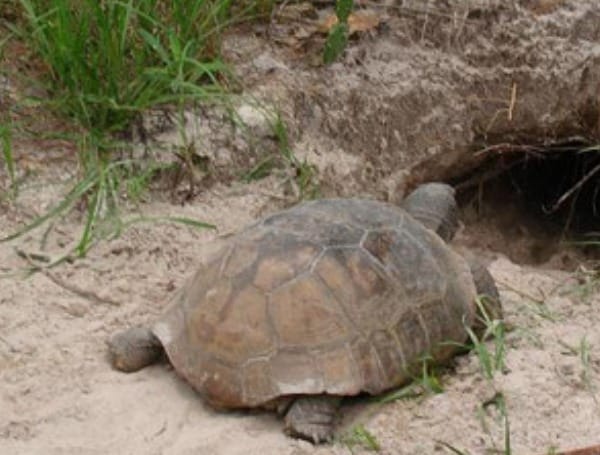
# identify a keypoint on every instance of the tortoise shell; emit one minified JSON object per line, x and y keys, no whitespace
{"x":331,"y":296}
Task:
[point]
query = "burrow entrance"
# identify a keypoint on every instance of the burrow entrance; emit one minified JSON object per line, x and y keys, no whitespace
{"x":539,"y":205}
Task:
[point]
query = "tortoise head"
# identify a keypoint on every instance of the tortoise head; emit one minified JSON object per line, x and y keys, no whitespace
{"x":434,"y":205}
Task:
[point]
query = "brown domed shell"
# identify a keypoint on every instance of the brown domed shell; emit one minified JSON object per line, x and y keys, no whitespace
{"x":331,"y":296}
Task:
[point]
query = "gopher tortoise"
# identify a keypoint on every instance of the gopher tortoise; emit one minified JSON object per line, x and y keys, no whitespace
{"x":327,"y":299}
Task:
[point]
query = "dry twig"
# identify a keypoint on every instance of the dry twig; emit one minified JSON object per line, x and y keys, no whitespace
{"x":86,"y":294}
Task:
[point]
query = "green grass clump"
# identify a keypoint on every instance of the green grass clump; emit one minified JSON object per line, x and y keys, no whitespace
{"x":490,"y":360}
{"x":110,"y":60}
{"x":302,"y":176}
{"x":7,"y":154}
{"x":359,"y":437}
{"x":427,"y":383}
{"x":107,"y":62}
{"x":338,"y":35}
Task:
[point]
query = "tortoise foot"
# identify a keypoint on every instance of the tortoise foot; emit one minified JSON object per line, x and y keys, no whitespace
{"x":312,"y":418}
{"x":133,"y":349}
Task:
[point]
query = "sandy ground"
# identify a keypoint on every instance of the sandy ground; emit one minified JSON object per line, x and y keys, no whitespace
{"x":399,"y":95}
{"x":60,"y":396}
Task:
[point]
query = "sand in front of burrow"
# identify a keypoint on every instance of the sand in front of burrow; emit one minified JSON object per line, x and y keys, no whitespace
{"x":59,"y":394}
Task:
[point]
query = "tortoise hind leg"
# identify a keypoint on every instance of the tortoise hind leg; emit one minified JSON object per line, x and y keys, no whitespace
{"x":312,"y":417}
{"x":133,"y":349}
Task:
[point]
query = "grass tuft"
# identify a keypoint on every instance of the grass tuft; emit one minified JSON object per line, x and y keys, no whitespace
{"x":301,"y":175}
{"x":338,"y":35}
{"x":359,"y":436}
{"x":427,"y":383}
{"x":108,"y":62}
{"x":587,"y":284}
{"x":304,"y":173}
{"x":491,"y":361}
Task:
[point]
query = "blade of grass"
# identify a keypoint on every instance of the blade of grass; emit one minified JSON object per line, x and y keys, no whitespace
{"x":451,"y":448}
{"x":93,"y":209}
{"x":7,"y":153}
{"x":409,"y":391}
{"x":170,"y":219}
{"x":69,"y":200}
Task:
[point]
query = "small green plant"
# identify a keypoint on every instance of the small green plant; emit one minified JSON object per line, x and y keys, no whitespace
{"x":406,"y":392}
{"x":498,"y":401}
{"x":3,"y":39}
{"x":427,"y":383}
{"x":338,"y":35}
{"x":584,"y":355}
{"x":359,"y":436}
{"x":138,"y":182}
{"x":588,"y":283}
{"x":490,"y":361}
{"x":583,"y":351}
{"x":261,"y":170}
{"x":304,"y":173}
{"x":529,"y":335}
{"x":543,"y":311}
{"x":7,"y":154}
{"x":301,"y":174}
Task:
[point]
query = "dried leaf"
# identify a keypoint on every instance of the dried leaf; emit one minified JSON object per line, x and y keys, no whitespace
{"x":363,"y":21}
{"x":297,"y":12}
{"x":328,"y":23}
{"x":541,"y":7}
{"x":360,"y":21}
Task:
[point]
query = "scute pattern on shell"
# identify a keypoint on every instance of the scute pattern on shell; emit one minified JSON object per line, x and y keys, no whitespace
{"x":330,"y":296}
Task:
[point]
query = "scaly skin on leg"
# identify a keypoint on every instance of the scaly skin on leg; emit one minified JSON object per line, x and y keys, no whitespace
{"x":313,"y":418}
{"x":133,"y":349}
{"x":487,"y":290}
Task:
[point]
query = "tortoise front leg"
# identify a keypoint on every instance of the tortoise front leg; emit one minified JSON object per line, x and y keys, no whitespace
{"x":487,"y":290}
{"x":134,"y":349}
{"x":312,"y":417}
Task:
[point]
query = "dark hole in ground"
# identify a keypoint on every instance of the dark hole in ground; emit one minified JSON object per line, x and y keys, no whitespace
{"x":537,"y":205}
